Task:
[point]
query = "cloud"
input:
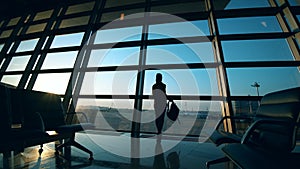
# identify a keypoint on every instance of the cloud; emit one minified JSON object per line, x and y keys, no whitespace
{"x":264,"y":24}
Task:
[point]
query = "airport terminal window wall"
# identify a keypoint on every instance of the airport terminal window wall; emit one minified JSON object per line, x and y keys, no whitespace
{"x":217,"y":57}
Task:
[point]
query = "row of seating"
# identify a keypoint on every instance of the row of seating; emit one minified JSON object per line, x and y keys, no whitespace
{"x":269,"y":140}
{"x":27,"y":117}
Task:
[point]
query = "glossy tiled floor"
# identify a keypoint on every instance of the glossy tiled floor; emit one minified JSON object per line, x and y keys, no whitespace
{"x":119,"y":151}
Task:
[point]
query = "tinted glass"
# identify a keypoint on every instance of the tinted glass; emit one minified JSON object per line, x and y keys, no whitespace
{"x":269,"y":79}
{"x":249,"y":25}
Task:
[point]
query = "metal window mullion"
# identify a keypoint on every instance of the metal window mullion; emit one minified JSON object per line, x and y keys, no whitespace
{"x":74,"y":86}
{"x":138,"y":102}
{"x":284,"y":23}
{"x":221,"y":69}
{"x":13,"y":40}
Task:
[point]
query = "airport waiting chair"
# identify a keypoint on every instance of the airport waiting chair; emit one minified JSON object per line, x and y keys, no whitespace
{"x":273,"y":124}
{"x":50,"y":109}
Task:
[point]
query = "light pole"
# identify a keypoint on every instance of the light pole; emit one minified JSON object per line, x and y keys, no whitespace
{"x":255,"y":84}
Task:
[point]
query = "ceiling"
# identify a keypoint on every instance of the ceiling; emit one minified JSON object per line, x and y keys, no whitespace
{"x":18,"y":7}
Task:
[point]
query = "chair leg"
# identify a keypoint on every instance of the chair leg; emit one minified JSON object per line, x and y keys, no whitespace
{"x":81,"y":147}
{"x":59,"y":147}
{"x":216,"y":161}
{"x":6,"y":157}
{"x":72,"y":142}
{"x":41,"y":149}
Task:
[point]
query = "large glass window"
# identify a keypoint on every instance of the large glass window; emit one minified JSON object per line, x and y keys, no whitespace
{"x":11,"y":79}
{"x":122,"y":15}
{"x":52,"y":82}
{"x":27,"y":45}
{"x":238,"y":4}
{"x":180,"y":53}
{"x":294,"y":2}
{"x":74,"y":22}
{"x":257,"y":50}
{"x":181,"y":46}
{"x":43,"y":15}
{"x":67,"y":40}
{"x":36,"y":28}
{"x":108,"y":114}
{"x":6,"y":33}
{"x":66,"y":60}
{"x":197,"y":117}
{"x":178,"y":29}
{"x":243,"y":25}
{"x":109,"y":83}
{"x":80,"y":8}
{"x":269,"y":79}
{"x":114,"y":57}
{"x":184,"y":81}
{"x":118,"y":35}
{"x":18,"y":63}
{"x":14,"y":21}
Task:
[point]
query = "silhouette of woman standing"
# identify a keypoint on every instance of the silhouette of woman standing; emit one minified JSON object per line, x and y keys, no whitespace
{"x":160,"y":102}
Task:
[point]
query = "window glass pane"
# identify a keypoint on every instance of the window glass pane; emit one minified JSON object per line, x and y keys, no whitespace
{"x":27,"y":45}
{"x":14,"y":21}
{"x":109,"y":83}
{"x":237,"y":4}
{"x":128,"y":14}
{"x":249,"y":25}
{"x":294,"y":2}
{"x":36,"y":28}
{"x":257,"y":50}
{"x":180,"y":7}
{"x":80,"y":8}
{"x":67,"y":40}
{"x":11,"y":79}
{"x":245,"y":107}
{"x":60,"y":60}
{"x":74,"y":22}
{"x":269,"y":79}
{"x":196,"y":118}
{"x":18,"y":63}
{"x":108,"y":114}
{"x":52,"y":82}
{"x":180,"y":53}
{"x":114,"y":57}
{"x":113,"y":3}
{"x":178,"y":29}
{"x":118,"y":35}
{"x":184,"y":81}
{"x":6,"y":34}
{"x":43,"y":15}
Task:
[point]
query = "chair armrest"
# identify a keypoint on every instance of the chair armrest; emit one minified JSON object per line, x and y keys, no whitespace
{"x":255,"y":124}
{"x":248,"y":118}
{"x":70,"y":116}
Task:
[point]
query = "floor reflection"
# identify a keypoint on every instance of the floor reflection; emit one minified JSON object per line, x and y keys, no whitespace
{"x":187,"y":154}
